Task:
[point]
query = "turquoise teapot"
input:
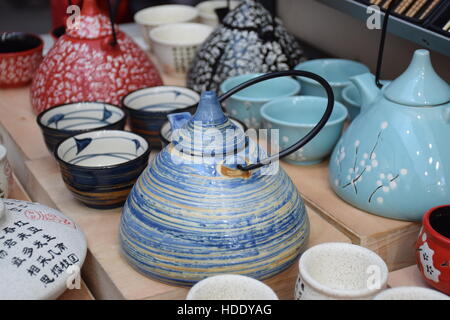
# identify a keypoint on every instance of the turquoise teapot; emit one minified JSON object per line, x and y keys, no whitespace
{"x":394,"y":159}
{"x":211,"y":202}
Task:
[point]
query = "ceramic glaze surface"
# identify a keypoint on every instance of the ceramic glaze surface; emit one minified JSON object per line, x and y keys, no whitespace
{"x":394,"y":159}
{"x":6,"y":176}
{"x":166,"y":131}
{"x":17,"y":66}
{"x":148,"y":109}
{"x":336,"y":71}
{"x":433,"y":248}
{"x":175,"y":45}
{"x":231,"y":287}
{"x":246,"y":105}
{"x":248,"y":41}
{"x":186,"y":220}
{"x":41,"y":251}
{"x":84,"y":66}
{"x":154,"y":16}
{"x":62,"y":122}
{"x":208,"y":15}
{"x":339,"y":271}
{"x":100,"y":167}
{"x":411,"y":293}
{"x":294,"y":117}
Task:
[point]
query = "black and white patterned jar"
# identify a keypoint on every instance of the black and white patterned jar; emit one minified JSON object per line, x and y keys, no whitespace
{"x":250,"y":40}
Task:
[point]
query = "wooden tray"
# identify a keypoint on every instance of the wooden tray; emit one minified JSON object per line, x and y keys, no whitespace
{"x":17,"y":192}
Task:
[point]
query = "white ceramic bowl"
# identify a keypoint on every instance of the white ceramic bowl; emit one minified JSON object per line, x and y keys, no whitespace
{"x":103,"y":148}
{"x":231,"y":287}
{"x":175,"y":45}
{"x":152,"y":17}
{"x":206,"y":10}
{"x":411,"y":293}
{"x":340,"y":271}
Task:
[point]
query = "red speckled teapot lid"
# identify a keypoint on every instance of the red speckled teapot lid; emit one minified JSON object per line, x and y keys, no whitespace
{"x":91,"y":24}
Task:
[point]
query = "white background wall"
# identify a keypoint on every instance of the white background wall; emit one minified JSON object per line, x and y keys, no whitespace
{"x":341,"y":35}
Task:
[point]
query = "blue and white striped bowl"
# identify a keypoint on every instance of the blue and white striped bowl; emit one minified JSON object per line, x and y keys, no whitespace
{"x":101,"y":167}
{"x":66,"y":120}
{"x":148,"y":109}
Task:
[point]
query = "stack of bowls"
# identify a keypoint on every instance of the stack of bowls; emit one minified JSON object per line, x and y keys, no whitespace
{"x":246,"y":104}
{"x":99,"y":161}
{"x":338,"y":73}
{"x":173,"y":35}
{"x":152,"y":17}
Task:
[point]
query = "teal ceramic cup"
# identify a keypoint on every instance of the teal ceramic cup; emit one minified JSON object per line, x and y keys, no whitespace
{"x":336,"y":71}
{"x":295,"y":116}
{"x":246,"y":104}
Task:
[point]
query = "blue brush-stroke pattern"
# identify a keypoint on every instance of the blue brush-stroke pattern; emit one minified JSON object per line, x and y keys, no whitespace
{"x":72,"y":116}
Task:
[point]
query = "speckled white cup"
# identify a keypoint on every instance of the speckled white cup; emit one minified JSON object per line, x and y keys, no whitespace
{"x":340,"y":271}
{"x":231,"y":287}
{"x":411,"y":293}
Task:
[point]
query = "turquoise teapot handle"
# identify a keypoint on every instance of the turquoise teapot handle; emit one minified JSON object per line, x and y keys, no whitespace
{"x":307,"y":138}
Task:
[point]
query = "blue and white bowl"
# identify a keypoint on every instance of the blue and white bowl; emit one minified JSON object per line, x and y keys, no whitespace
{"x":148,"y":109}
{"x":101,"y":167}
{"x":66,"y":120}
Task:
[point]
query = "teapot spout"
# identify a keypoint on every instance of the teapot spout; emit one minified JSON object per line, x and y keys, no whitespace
{"x":178,"y":120}
{"x":368,"y":90}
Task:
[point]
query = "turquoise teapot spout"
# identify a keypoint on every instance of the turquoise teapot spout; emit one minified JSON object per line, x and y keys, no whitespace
{"x":368,"y":90}
{"x":394,"y":159}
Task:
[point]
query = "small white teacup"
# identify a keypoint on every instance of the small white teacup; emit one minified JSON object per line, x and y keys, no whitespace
{"x":340,"y":271}
{"x":175,"y":45}
{"x":155,"y":16}
{"x":411,"y":293}
{"x":231,"y":287}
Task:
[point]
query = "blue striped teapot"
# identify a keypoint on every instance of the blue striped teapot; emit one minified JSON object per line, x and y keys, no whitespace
{"x":209,"y":205}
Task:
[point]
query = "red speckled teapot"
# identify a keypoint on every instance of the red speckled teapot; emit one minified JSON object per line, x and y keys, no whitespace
{"x":86,"y":64}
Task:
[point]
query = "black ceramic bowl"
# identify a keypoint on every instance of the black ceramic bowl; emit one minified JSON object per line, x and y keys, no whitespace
{"x":66,"y":120}
{"x":166,"y":131}
{"x":101,"y":167}
{"x":148,"y":109}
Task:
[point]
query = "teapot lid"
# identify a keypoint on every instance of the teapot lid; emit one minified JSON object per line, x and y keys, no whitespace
{"x":419,"y":85}
{"x":209,"y":131}
{"x":92,"y":23}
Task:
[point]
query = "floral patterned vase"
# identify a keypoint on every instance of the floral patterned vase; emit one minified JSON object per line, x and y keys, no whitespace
{"x":394,"y":159}
{"x":84,"y":65}
{"x":249,"y":40}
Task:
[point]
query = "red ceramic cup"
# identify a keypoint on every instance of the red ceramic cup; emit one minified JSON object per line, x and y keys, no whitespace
{"x":20,"y":55}
{"x":433,"y":248}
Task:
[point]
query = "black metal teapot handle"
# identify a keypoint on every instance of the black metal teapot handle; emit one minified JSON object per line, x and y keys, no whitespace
{"x":307,"y":138}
